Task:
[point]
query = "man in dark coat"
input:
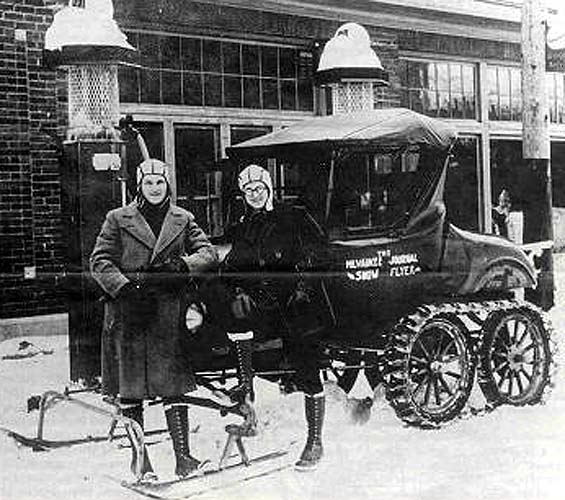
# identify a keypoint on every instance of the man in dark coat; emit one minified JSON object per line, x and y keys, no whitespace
{"x":273,"y":249}
{"x":144,"y":259}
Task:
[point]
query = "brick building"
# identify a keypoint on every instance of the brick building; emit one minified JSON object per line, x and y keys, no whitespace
{"x":213,"y":73}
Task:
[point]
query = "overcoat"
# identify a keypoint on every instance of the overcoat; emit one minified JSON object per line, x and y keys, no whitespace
{"x":143,"y":346}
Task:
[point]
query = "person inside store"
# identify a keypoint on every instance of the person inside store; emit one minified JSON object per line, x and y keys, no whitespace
{"x":273,"y":248}
{"x":501,"y":214}
{"x":145,"y":257}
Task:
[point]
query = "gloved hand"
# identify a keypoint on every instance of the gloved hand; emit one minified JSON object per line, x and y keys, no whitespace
{"x":173,"y":265}
{"x":242,"y":304}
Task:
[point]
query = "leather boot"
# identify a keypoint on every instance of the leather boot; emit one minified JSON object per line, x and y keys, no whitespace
{"x":244,"y":352}
{"x":135,"y":412}
{"x":314,"y":408}
{"x":177,"y":423}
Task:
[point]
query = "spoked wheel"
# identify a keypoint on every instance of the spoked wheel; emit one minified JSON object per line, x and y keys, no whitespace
{"x":515,"y":358}
{"x":430,"y":369}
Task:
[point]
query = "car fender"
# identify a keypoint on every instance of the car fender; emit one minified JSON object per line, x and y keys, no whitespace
{"x":502,"y":273}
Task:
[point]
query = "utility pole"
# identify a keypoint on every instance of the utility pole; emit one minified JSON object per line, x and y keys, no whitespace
{"x":536,"y":145}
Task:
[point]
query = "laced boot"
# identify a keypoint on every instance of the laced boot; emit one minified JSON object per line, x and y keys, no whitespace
{"x":177,"y":423}
{"x":135,"y":412}
{"x":314,"y":408}
{"x":243,"y":392}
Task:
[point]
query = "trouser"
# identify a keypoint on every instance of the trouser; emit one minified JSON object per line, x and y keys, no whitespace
{"x":303,"y":355}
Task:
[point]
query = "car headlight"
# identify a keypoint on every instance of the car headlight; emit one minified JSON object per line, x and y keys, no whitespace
{"x":194,"y":317}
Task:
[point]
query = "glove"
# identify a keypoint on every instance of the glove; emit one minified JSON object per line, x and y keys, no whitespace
{"x":169,"y":275}
{"x":242,"y":304}
{"x":173,"y":266}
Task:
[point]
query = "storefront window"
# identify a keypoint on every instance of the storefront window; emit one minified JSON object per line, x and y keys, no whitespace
{"x":444,"y":89}
{"x":505,"y":93}
{"x":207,"y":72}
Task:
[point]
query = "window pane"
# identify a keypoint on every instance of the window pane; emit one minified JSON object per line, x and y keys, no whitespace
{"x":444,"y":108}
{"x":288,"y":94}
{"x":243,"y":133}
{"x":287,"y":63}
{"x":212,"y":90}
{"x":250,"y":59}
{"x":192,"y":89}
{"x":492,"y":85}
{"x":469,"y":79}
{"x":149,"y":50}
{"x":128,"y":78}
{"x":171,"y":82}
{"x":470,"y":106}
{"x":305,"y":95}
{"x":150,"y":86}
{"x":443,"y":77}
{"x":455,"y":78}
{"x":504,"y":93}
{"x":170,"y":52}
{"x":191,"y":53}
{"x":457,"y":106}
{"x":560,"y":98}
{"x":251,"y":97}
{"x":212,"y":56}
{"x":232,"y":91}
{"x":431,"y":102}
{"x":269,"y":62}
{"x":232,"y":63}
{"x":270,"y":93}
{"x":417,"y":100}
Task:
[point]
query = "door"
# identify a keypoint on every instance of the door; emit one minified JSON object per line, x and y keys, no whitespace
{"x":198,"y":183}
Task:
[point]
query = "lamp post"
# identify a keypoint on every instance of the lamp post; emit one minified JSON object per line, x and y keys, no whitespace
{"x":85,"y":41}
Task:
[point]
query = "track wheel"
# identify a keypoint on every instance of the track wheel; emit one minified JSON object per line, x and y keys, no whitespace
{"x":515,"y":358}
{"x":429,"y":369}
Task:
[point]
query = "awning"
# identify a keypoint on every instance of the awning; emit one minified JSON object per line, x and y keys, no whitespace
{"x":390,"y":127}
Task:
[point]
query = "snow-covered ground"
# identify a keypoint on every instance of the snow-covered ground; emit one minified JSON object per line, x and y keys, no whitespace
{"x":511,"y":453}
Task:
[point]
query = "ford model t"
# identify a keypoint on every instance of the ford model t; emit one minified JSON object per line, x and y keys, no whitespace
{"x":418,"y":304}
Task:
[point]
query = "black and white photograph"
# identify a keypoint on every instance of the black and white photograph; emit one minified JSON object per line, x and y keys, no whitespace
{"x":282,"y":249}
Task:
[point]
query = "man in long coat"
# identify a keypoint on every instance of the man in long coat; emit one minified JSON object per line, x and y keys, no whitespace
{"x":144,"y":259}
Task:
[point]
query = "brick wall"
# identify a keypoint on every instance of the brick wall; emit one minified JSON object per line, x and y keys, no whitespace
{"x":29,"y":165}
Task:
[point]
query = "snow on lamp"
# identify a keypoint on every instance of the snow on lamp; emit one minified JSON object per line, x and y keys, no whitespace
{"x":351,"y":69}
{"x":86,"y":41}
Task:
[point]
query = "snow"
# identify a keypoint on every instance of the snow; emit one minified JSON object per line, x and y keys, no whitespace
{"x":511,"y":453}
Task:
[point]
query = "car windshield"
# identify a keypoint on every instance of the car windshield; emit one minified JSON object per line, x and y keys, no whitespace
{"x":371,"y":193}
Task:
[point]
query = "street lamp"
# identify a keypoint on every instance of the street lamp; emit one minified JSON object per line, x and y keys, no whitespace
{"x":350,"y":69}
{"x":86,"y":42}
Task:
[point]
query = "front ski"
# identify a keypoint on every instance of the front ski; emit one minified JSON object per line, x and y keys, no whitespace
{"x":41,"y":444}
{"x":205,"y":481}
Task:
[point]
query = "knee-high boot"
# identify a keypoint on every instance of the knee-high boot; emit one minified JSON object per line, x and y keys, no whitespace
{"x":177,"y":423}
{"x":243,"y":392}
{"x":244,"y":351}
{"x":135,"y":412}
{"x":314,"y":409}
